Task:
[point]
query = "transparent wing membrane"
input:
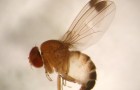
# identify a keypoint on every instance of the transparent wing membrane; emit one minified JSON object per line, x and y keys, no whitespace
{"x":90,"y":24}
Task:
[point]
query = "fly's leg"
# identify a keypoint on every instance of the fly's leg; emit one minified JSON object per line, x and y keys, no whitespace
{"x":65,"y":83}
{"x":59,"y":84}
{"x":47,"y":75}
{"x":68,"y":78}
{"x":65,"y":78}
{"x":61,"y":81}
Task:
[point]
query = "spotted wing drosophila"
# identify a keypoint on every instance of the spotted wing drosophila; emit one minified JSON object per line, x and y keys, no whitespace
{"x":64,"y":57}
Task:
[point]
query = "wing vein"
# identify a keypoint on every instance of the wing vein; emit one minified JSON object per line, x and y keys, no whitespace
{"x":73,"y":37}
{"x":93,"y":26}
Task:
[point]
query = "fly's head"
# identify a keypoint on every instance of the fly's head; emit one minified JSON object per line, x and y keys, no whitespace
{"x":35,"y":58}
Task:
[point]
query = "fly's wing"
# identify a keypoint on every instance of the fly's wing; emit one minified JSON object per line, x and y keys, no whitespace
{"x":90,"y":24}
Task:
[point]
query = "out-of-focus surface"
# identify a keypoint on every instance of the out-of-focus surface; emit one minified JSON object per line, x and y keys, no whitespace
{"x":26,"y":23}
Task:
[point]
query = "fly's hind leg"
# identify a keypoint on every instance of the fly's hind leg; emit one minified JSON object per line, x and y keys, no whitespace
{"x":61,"y":80}
{"x":65,"y":83}
{"x":67,"y":78}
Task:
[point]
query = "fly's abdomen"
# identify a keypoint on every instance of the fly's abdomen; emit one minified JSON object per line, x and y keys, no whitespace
{"x":82,"y":69}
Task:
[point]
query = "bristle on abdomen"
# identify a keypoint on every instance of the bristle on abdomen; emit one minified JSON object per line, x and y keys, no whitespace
{"x":82,"y":69}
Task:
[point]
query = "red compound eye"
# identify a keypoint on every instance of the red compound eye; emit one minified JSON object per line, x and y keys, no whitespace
{"x":35,"y":58}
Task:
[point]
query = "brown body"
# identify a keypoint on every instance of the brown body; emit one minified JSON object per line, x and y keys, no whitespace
{"x":57,"y":57}
{"x":54,"y":53}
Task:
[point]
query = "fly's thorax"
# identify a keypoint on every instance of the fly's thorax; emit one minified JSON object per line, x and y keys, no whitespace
{"x":82,"y":69}
{"x":52,"y":45}
{"x":56,"y":53}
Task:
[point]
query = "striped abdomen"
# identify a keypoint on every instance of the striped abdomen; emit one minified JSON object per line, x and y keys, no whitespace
{"x":82,"y":69}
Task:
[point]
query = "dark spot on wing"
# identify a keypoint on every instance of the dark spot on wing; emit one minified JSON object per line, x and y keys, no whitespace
{"x":99,"y":6}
